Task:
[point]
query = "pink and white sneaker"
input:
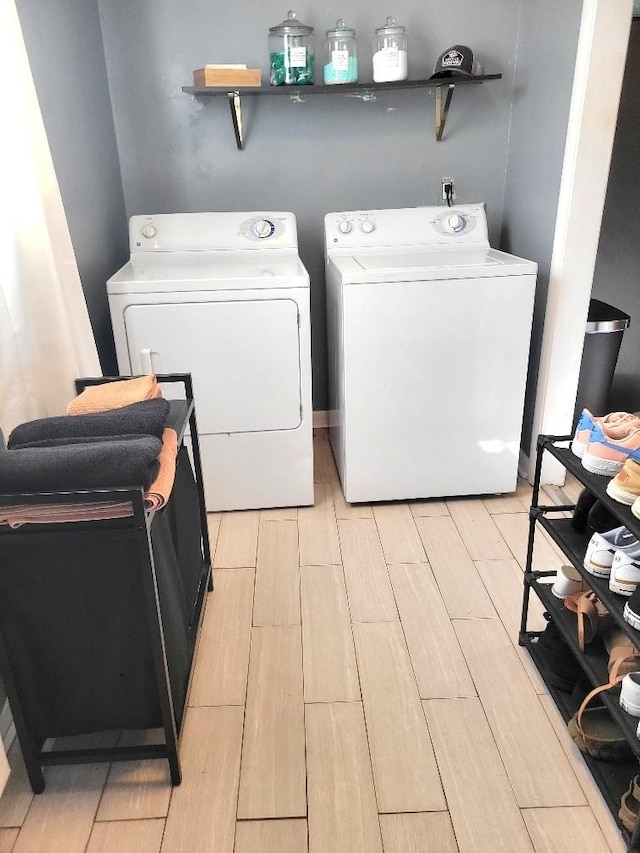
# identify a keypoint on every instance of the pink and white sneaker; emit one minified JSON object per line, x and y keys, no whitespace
{"x":605,"y":455}
{"x":615,"y":425}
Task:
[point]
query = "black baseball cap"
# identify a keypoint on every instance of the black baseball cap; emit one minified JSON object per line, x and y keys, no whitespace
{"x":456,"y":61}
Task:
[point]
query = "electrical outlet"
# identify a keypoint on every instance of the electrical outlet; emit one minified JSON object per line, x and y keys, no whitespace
{"x":448,"y":193}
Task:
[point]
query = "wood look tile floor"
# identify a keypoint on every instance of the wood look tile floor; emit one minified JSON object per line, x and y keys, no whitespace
{"x":358,"y":689}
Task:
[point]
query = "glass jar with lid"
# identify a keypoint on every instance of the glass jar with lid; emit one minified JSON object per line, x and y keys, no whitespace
{"x":340,"y":55}
{"x":390,"y":53}
{"x":291,"y":52}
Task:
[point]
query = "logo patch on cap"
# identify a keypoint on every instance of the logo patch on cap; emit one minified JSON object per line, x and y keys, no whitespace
{"x":452,"y":59}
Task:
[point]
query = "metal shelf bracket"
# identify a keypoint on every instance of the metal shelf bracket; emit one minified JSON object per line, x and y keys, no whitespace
{"x":235,"y":105}
{"x":442,"y":112}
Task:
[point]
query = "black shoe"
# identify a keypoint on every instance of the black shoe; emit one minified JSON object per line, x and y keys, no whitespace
{"x":580,"y":514}
{"x":600,"y":520}
{"x":580,"y":692}
{"x":559,"y":665}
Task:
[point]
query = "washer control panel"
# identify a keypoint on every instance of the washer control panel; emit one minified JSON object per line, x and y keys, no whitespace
{"x":454,"y":221}
{"x":412,"y":226}
{"x":355,"y":224}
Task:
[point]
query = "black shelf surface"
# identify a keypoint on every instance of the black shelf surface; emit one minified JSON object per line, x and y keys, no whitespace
{"x":612,"y":778}
{"x":338,"y":89}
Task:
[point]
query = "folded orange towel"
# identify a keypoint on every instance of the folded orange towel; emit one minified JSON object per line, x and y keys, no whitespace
{"x":159,"y":491}
{"x":114,"y":395}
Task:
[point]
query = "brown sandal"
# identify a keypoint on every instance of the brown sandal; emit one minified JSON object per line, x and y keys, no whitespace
{"x":593,"y":618}
{"x":595,"y":732}
{"x":630,"y":805}
{"x":624,"y":657}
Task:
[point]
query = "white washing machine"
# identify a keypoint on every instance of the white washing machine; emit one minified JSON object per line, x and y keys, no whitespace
{"x":428,"y":339}
{"x":225,"y":297}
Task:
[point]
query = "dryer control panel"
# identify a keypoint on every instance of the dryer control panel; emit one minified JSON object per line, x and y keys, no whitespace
{"x":412,"y":226}
{"x":193,"y":232}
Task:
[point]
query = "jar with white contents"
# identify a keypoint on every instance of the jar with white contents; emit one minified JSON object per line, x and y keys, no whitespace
{"x":390,"y":53}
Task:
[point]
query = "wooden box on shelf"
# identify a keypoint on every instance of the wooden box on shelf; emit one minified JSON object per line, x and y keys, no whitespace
{"x":213,"y":76}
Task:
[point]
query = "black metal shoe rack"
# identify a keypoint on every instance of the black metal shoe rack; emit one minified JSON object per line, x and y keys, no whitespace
{"x":106,"y":642}
{"x":612,"y":778}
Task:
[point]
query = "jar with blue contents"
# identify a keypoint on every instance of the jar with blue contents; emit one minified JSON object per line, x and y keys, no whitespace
{"x":341,"y":55}
{"x":291,"y":53}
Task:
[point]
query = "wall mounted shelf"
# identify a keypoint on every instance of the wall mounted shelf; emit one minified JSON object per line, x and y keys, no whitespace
{"x":444,"y":86}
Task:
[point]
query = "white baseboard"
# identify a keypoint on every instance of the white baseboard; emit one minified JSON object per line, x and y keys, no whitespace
{"x":320,"y":419}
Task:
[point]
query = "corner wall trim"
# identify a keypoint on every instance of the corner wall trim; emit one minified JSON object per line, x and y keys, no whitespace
{"x":7,"y":727}
{"x":320,"y":419}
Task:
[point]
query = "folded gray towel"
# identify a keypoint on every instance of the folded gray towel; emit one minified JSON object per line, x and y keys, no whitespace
{"x":146,"y":418}
{"x":89,"y":465}
{"x":87,"y":439}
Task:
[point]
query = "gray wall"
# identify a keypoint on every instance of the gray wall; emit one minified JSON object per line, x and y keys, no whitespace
{"x":546,"y":58}
{"x":64,"y":43}
{"x":617,"y":274}
{"x":329,"y":153}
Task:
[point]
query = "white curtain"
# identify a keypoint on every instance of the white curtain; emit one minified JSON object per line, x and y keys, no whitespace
{"x":46,"y":339}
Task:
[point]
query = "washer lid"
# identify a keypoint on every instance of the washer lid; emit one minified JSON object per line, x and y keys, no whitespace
{"x":217,"y":270}
{"x":407,"y":265}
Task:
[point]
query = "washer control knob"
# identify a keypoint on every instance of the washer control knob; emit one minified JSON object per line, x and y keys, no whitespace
{"x":367,"y":226}
{"x":456,"y":223}
{"x":149,"y":230}
{"x":344,"y":226}
{"x":263,"y":228}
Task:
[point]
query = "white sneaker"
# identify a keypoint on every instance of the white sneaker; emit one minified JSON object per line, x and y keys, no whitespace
{"x":630,"y":694}
{"x":602,"y":546}
{"x":625,"y":574}
{"x":568,"y":581}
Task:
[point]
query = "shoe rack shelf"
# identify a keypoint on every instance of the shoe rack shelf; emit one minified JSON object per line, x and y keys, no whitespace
{"x":611,"y":777}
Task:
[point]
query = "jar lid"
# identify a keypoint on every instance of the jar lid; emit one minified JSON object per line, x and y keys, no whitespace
{"x":341,"y":30}
{"x":391,"y":28}
{"x":291,"y":26}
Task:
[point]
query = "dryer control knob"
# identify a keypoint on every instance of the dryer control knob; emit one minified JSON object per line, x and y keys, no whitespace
{"x":344,"y":226}
{"x":367,"y":226}
{"x":456,"y":223}
{"x":149,"y":230}
{"x":263,"y":228}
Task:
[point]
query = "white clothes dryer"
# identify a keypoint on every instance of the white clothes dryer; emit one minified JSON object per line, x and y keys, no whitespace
{"x":428,"y":344}
{"x":225,"y":297}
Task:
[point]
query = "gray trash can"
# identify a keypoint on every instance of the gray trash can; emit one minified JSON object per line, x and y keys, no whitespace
{"x":603,"y":336}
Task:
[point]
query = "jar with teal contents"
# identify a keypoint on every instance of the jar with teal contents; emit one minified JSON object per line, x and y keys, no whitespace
{"x":291,"y":52}
{"x":341,"y":55}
